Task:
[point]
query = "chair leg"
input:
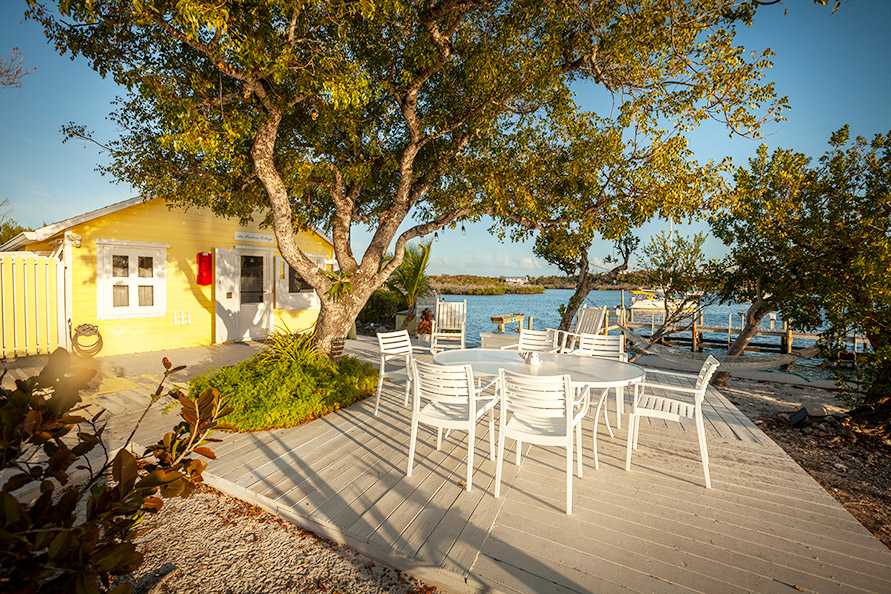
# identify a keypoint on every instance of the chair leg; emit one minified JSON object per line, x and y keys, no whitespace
{"x":498,"y":461}
{"x":600,"y":404}
{"x":519,"y":447}
{"x":438,"y":438}
{"x":578,"y":445}
{"x":703,"y":451}
{"x":407,"y":380}
{"x":620,"y":406}
{"x":605,"y":416}
{"x":471,"y":438}
{"x":636,"y":431}
{"x":411,"y":447}
{"x":380,"y":385}
{"x":632,"y":421}
{"x":569,"y":476}
{"x":491,"y":434}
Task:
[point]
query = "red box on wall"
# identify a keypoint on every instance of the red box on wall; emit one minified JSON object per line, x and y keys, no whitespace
{"x":205,"y":268}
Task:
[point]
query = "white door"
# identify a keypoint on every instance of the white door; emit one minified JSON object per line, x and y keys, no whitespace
{"x":226,"y":273}
{"x":254,"y":294}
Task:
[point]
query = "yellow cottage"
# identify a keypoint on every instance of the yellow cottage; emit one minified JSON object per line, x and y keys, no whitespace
{"x":150,"y":278}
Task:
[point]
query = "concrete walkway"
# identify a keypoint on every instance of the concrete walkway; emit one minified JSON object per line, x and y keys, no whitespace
{"x":766,"y":526}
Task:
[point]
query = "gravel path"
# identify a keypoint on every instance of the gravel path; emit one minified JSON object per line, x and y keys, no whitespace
{"x":213,"y":543}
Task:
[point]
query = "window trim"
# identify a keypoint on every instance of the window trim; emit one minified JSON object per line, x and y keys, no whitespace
{"x":105,"y":250}
{"x":301,"y":300}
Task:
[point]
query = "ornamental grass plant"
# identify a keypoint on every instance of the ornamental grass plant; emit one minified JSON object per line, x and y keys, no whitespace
{"x":268,"y":393}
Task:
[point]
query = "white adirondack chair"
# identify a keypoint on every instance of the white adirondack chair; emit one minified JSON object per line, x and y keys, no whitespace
{"x":539,"y":341}
{"x":589,"y":320}
{"x":669,"y":409}
{"x":449,"y":326}
{"x":445,"y":397}
{"x":541,"y":410}
{"x":393,"y":345}
{"x":606,"y":347}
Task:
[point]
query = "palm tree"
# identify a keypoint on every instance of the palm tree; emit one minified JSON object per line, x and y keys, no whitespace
{"x":410,"y":279}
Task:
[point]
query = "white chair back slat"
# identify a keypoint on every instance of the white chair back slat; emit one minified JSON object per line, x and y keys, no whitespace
{"x":590,"y":320}
{"x":450,"y":315}
{"x":541,"y":341}
{"x":705,"y":375}
{"x":601,"y":345}
{"x":394,"y":343}
{"x":443,"y":384}
{"x":533,"y":396}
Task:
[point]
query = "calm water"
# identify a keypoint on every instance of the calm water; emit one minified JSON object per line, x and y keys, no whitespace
{"x":543,"y":308}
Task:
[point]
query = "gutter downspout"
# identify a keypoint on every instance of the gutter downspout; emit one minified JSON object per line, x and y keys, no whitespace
{"x":68,"y":293}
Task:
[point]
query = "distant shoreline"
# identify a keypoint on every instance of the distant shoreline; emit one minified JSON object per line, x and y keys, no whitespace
{"x":465,"y":284}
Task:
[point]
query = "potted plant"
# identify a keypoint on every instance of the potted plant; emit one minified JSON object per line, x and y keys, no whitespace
{"x":425,"y":325}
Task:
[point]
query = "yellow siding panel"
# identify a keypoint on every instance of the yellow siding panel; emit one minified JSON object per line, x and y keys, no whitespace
{"x":187,"y":233}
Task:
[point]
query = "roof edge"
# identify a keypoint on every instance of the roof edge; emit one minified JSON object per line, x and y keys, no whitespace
{"x":28,"y":237}
{"x":22,"y":239}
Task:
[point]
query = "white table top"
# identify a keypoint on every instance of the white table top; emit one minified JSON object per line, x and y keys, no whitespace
{"x":601,"y":373}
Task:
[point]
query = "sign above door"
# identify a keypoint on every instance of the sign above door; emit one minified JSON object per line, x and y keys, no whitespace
{"x":255,"y":237}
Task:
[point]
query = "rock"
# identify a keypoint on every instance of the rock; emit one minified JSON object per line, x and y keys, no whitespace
{"x":806,"y":412}
{"x":798,"y":418}
{"x":840,"y":466}
{"x":816,"y":410}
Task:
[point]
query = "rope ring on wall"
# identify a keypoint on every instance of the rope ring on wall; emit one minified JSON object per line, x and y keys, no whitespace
{"x":86,"y":330}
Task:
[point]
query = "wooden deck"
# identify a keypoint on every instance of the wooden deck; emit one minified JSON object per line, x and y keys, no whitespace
{"x":766,"y":525}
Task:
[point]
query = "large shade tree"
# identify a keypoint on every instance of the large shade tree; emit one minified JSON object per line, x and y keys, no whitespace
{"x":336,"y":113}
{"x":813,"y":241}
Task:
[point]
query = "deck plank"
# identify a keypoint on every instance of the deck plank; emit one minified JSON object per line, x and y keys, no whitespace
{"x":765,"y":526}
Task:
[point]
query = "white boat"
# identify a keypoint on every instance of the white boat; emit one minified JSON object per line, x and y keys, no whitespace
{"x":651,"y":301}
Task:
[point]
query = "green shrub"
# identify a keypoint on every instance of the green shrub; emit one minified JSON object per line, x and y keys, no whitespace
{"x":283,"y":345}
{"x":282,"y":393}
{"x":381,"y":307}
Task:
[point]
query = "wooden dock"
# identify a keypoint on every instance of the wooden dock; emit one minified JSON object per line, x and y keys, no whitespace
{"x":766,"y":526}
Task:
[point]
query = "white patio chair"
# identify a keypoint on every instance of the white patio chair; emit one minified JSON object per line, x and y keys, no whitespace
{"x":539,"y":341}
{"x":449,"y":325}
{"x":543,"y":411}
{"x":682,"y":411}
{"x":589,"y":320}
{"x":393,"y":345}
{"x":445,"y":397}
{"x":606,"y":347}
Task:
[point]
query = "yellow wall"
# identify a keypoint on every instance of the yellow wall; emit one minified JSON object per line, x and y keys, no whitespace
{"x":187,"y":233}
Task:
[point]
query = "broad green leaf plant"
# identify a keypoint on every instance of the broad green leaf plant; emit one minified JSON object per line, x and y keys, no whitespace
{"x":69,"y":509}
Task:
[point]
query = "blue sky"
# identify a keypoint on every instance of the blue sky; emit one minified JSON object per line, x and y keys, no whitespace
{"x":832,"y":67}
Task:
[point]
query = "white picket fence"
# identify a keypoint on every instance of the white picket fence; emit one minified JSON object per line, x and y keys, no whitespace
{"x":32,"y":298}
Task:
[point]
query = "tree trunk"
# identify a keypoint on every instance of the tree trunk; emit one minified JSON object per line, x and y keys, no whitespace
{"x":754,"y":315}
{"x":876,"y":408}
{"x":409,"y":316}
{"x":585,"y":285}
{"x":336,"y":320}
{"x":582,"y":289}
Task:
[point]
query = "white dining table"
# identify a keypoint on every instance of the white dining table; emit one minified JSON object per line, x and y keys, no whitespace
{"x":595,"y":372}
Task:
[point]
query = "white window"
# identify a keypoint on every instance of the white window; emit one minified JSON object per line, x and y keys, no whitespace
{"x":131,"y":279}
{"x":291,"y":291}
